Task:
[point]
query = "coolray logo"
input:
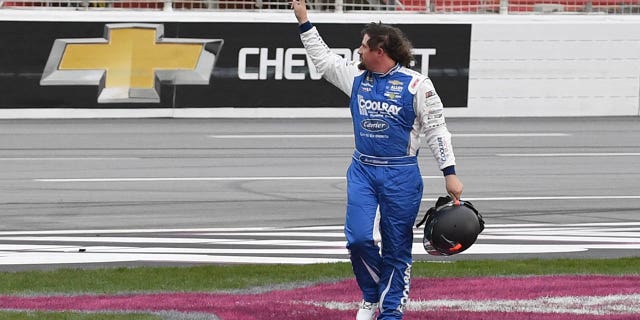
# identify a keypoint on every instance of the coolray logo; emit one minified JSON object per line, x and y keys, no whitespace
{"x":130,"y":62}
{"x":365,"y":106}
{"x":442,"y":150}
{"x":405,"y":291}
{"x":374,"y":125}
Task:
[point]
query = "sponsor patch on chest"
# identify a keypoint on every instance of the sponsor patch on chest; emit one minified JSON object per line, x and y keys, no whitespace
{"x":393,"y":88}
{"x":371,"y":107}
{"x":374,"y":125}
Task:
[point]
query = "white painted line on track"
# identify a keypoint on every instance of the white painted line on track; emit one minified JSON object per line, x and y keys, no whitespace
{"x":268,"y":230}
{"x":289,"y":245}
{"x":309,"y":243}
{"x":171,"y":250}
{"x":502,"y":135}
{"x":594,"y":224}
{"x":417,"y":249}
{"x":200,"y":241}
{"x":544,"y":198}
{"x":187,"y":179}
{"x":280,"y":136}
{"x":69,"y":158}
{"x":105,"y":231}
{"x":576,"y":305}
{"x":538,"y":237}
{"x":278,"y":234}
{"x":572,"y":154}
{"x":329,"y":136}
{"x":160,"y":179}
{"x":200,"y":179}
{"x":88,"y":257}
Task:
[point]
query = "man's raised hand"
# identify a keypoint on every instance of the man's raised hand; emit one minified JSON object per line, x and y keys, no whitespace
{"x":300,"y":9}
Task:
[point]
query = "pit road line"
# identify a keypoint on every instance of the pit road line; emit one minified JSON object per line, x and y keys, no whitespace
{"x":327,"y":136}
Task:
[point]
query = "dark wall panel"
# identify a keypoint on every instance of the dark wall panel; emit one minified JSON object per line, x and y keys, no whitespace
{"x":26,"y":47}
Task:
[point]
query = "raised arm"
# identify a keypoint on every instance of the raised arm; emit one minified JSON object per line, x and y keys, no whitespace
{"x":333,"y":67}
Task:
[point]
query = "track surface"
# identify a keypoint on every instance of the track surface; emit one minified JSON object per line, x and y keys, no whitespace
{"x":167,"y":191}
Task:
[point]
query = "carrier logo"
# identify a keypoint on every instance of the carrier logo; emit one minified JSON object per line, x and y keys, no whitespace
{"x":130,"y":62}
{"x":374,"y":125}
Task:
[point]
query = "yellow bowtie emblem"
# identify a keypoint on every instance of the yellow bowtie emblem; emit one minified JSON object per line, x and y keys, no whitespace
{"x":130,"y":62}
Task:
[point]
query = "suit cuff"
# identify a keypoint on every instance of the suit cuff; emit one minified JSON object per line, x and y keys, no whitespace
{"x":449,"y":170}
{"x":305,"y":27}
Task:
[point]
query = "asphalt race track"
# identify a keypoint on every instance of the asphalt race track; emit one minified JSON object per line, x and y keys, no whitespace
{"x":109,"y":192}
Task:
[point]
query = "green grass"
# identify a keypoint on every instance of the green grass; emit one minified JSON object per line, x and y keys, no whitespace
{"x":20,"y":315}
{"x":228,"y":277}
{"x":621,"y":266}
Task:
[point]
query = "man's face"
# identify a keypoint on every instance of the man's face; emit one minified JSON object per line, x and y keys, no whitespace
{"x":366,"y":54}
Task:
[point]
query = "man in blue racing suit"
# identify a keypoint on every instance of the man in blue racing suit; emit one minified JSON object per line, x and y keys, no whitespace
{"x":391,"y":106}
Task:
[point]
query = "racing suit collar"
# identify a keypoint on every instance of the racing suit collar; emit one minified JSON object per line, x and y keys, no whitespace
{"x":390,"y":72}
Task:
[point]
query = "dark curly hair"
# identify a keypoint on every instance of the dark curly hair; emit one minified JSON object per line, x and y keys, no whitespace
{"x":392,"y":40}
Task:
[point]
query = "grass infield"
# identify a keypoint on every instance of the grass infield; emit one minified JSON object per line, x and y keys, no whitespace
{"x":11,"y":315}
{"x":237,"y":277}
{"x":231,"y":277}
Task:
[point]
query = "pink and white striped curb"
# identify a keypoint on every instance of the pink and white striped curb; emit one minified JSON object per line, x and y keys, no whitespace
{"x":497,"y":298}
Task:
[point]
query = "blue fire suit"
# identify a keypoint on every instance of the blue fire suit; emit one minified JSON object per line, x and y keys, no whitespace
{"x":384,"y":184}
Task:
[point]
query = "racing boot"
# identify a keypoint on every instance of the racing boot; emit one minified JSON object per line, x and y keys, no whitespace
{"x":367,"y":310}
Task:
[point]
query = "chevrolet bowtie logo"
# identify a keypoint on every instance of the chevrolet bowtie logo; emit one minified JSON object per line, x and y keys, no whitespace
{"x":131,"y":61}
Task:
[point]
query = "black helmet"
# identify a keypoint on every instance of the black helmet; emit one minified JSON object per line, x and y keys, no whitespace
{"x":450,"y":227}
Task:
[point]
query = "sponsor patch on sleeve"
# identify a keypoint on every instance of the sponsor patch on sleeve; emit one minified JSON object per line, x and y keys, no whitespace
{"x":414,"y":83}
